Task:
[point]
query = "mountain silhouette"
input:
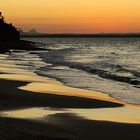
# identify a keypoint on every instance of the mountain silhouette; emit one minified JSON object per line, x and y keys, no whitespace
{"x":33,"y":31}
{"x":30,"y":32}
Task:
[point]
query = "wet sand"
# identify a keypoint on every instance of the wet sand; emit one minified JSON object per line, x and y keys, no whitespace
{"x":57,"y":126}
{"x":66,"y":127}
{"x":33,"y":107}
{"x":14,"y":98}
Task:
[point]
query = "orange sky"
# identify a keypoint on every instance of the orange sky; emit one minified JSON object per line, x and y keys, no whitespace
{"x":73,"y":16}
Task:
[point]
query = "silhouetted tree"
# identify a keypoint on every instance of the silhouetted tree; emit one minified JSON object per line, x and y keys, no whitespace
{"x":7,"y":31}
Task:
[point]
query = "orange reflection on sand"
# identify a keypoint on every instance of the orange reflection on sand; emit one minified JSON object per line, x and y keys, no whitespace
{"x":38,"y":84}
{"x":122,"y":114}
{"x":65,"y":90}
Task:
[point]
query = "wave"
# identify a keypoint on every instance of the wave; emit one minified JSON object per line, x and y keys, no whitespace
{"x":102,"y":69}
{"x":109,"y":75}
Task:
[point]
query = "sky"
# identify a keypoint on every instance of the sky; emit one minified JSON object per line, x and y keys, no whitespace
{"x":73,"y":16}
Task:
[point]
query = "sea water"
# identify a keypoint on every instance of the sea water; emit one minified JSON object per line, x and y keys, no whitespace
{"x":109,"y":65}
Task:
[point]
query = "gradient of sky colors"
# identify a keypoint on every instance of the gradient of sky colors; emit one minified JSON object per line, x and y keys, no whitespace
{"x":73,"y":16}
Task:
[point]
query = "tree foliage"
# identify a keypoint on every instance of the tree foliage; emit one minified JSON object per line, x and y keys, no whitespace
{"x":7,"y":31}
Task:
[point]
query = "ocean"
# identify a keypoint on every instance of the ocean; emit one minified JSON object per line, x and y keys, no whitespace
{"x":108,"y":65}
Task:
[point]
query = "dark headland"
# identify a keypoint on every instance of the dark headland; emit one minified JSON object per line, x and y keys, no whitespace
{"x":10,"y":38}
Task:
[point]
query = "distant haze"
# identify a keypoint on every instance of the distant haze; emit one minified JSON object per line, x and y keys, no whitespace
{"x":73,"y":16}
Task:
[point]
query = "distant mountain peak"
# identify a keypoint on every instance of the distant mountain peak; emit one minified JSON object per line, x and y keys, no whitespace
{"x":33,"y":31}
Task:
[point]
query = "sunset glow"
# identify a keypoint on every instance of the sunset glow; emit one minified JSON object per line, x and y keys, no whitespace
{"x":73,"y":16}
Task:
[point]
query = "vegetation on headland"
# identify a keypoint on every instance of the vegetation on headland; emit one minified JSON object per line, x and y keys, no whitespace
{"x":10,"y":38}
{"x":7,"y":31}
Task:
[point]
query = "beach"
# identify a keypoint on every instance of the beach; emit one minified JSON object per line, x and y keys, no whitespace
{"x":69,"y":70}
{"x":58,"y":124}
{"x":37,"y":107}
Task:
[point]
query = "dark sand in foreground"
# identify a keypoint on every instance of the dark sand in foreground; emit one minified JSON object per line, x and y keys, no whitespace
{"x":60,"y":126}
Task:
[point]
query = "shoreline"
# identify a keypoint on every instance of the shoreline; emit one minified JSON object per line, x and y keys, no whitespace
{"x":77,"y":103}
{"x":30,"y":118}
{"x":6,"y":47}
{"x":41,"y":86}
{"x":32,"y":106}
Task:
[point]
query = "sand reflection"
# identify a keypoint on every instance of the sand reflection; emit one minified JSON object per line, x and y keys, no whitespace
{"x":31,"y":113}
{"x":121,"y":114}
